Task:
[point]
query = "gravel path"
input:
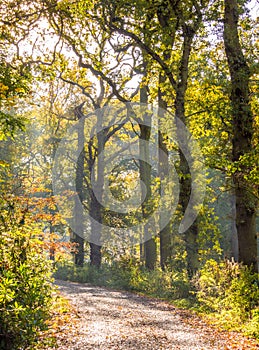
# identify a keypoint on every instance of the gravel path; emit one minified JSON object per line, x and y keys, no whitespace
{"x":120,"y":320}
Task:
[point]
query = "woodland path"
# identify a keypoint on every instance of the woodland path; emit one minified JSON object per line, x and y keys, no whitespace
{"x":110,"y":319}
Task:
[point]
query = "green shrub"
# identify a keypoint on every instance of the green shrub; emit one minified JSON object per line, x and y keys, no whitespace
{"x":251,"y":327}
{"x":128,"y":273}
{"x":25,"y":287}
{"x":230,"y":291}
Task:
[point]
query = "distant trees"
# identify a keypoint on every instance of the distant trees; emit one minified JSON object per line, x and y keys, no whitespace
{"x":162,"y":53}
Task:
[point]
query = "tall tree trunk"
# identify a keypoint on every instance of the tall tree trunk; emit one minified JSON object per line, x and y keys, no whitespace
{"x":242,"y":121}
{"x":185,"y":176}
{"x":234,"y":237}
{"x":95,"y":240}
{"x":95,"y":255}
{"x":165,"y":232}
{"x":78,"y":210}
{"x":180,"y":88}
{"x":150,"y":249}
{"x":96,"y":219}
{"x":52,"y":247}
{"x":96,"y":211}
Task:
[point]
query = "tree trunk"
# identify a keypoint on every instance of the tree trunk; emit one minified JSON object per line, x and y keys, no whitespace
{"x":80,"y":254}
{"x":95,"y":238}
{"x":234,"y":237}
{"x":150,"y":251}
{"x":77,"y":236}
{"x":190,"y":236}
{"x":242,"y":121}
{"x":180,"y":88}
{"x":95,"y":255}
{"x":96,"y":211}
{"x":165,"y":233}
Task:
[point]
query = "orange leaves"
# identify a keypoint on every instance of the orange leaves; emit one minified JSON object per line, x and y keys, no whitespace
{"x":237,"y":342}
{"x":57,"y":248}
{"x":231,"y":340}
{"x":64,"y":320}
{"x":33,"y":205}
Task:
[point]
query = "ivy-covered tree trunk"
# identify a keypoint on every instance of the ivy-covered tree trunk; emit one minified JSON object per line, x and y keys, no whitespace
{"x":242,"y":122}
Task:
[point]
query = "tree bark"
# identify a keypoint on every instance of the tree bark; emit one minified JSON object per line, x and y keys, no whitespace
{"x":242,"y":123}
{"x":96,"y":210}
{"x":150,"y":249}
{"x":96,"y":219}
{"x":78,"y":210}
{"x":234,"y":237}
{"x":190,"y":236}
{"x":165,"y":232}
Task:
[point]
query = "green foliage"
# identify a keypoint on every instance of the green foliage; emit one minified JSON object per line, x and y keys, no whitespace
{"x":12,"y":82}
{"x":230,"y":291}
{"x":14,"y":85}
{"x":128,"y":274}
{"x":25,"y":288}
{"x":103,"y":276}
{"x":251,"y":327}
{"x":9,"y":125}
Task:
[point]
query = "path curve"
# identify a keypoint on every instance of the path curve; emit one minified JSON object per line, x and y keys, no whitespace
{"x":121,"y":320}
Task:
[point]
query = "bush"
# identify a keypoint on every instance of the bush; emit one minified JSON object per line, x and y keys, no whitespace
{"x":25,"y":288}
{"x":251,"y":327}
{"x":106,"y":275}
{"x":231,"y":291}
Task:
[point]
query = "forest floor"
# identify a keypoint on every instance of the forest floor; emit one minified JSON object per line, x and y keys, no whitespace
{"x":109,"y":319}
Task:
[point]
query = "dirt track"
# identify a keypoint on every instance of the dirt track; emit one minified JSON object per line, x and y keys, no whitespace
{"x":120,"y":320}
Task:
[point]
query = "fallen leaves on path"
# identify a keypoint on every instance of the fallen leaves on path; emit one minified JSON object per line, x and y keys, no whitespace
{"x":63,"y":324}
{"x":234,"y":340}
{"x":104,"y":319}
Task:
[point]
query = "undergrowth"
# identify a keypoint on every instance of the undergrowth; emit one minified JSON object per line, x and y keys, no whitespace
{"x":229,"y":293}
{"x":25,"y":289}
{"x":25,"y":279}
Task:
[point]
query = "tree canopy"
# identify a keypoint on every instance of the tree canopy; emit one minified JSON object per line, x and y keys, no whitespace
{"x":114,"y":114}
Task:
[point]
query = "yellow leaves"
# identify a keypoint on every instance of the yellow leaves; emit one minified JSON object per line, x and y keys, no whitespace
{"x":3,"y":90}
{"x":3,"y":87}
{"x":3,"y":163}
{"x":20,"y":90}
{"x":224,"y":135}
{"x":10,"y":94}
